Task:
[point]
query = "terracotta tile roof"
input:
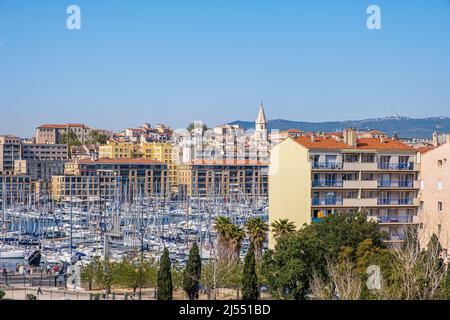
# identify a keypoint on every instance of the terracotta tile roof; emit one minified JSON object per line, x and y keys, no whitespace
{"x":61,"y":126}
{"x":327,"y":142}
{"x":423,"y":150}
{"x":120,"y":161}
{"x":228,"y":162}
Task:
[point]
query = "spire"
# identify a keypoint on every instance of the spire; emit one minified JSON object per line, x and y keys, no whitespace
{"x":261,"y":116}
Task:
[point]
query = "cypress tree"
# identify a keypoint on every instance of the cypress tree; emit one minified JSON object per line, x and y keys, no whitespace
{"x":191,"y":279}
{"x":165,"y":286}
{"x":249,"y":280}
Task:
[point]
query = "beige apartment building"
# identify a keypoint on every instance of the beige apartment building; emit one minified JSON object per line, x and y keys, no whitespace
{"x":314,"y":176}
{"x":10,"y":151}
{"x":434,"y":195}
{"x":204,"y":178}
{"x":126,"y":179}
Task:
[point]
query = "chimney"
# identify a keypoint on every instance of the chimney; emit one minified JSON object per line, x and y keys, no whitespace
{"x":313,"y":137}
{"x":350,"y":137}
{"x":382,"y":139}
{"x":447,"y":138}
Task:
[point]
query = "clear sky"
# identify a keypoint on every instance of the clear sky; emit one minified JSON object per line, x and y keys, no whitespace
{"x":213,"y":60}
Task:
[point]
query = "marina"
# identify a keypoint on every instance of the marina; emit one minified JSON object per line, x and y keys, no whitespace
{"x":68,"y":231}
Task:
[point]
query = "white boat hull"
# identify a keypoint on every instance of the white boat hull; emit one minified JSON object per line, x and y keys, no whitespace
{"x":16,"y":254}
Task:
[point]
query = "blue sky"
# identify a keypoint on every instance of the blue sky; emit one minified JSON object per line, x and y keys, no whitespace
{"x":174,"y":61}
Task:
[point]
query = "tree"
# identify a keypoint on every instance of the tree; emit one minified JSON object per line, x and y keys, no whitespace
{"x":282,"y":227}
{"x":165,"y":286}
{"x":71,"y":139}
{"x":88,"y":274}
{"x":95,"y":137}
{"x":415,"y":273}
{"x":2,"y":294}
{"x":236,"y":235}
{"x":126,"y":275}
{"x":301,"y":255}
{"x":257,"y":232}
{"x":218,"y":273}
{"x":445,"y":286}
{"x":222,"y":226}
{"x":192,"y":274}
{"x":250,"y":289}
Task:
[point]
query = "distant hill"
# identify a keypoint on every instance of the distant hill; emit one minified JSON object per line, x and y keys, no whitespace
{"x":404,"y":126}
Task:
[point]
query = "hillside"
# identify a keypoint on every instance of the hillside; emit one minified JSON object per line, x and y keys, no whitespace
{"x":404,"y":126}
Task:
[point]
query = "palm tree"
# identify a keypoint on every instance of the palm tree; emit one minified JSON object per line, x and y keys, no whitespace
{"x":235,"y":236}
{"x":257,"y":230}
{"x":222,"y":226}
{"x":282,"y":227}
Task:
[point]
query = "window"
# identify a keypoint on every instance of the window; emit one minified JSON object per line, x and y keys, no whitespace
{"x":439,"y":163}
{"x":440,"y":185}
{"x":440,"y":206}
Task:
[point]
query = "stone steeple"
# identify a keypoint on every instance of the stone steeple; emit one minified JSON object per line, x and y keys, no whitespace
{"x":261,"y":125}
{"x":261,"y":116}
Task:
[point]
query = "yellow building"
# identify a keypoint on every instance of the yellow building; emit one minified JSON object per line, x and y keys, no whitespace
{"x":116,"y":150}
{"x":314,"y":176}
{"x":163,"y":152}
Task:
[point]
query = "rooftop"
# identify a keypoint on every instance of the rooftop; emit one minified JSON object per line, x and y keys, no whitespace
{"x":120,"y":161}
{"x":229,"y":162}
{"x":61,"y":126}
{"x":327,"y":142}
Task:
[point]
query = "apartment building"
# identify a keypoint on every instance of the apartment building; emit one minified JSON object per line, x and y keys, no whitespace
{"x":15,"y":189}
{"x":10,"y":150}
{"x":111,"y":178}
{"x":223,"y":178}
{"x":317,"y":175}
{"x":434,"y":195}
{"x":116,"y":150}
{"x":41,"y":161}
{"x":163,"y":152}
{"x":53,"y":133}
{"x":51,"y":152}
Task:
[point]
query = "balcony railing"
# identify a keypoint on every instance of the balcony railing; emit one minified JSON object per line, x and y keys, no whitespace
{"x":396,"y":166}
{"x":327,"y":165}
{"x":395,"y":184}
{"x":327,"y":184}
{"x":326,"y":202}
{"x":396,"y":219}
{"x":395,"y":201}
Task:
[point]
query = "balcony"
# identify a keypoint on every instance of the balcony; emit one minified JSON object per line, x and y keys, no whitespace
{"x":360,"y":184}
{"x":397,"y":202}
{"x":327,"y":202}
{"x":401,"y":219}
{"x":359,"y":202}
{"x":327,"y":165}
{"x":397,"y":184}
{"x":326,"y":184}
{"x":360,"y":166}
{"x":396,"y":237}
{"x":396,"y":166}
